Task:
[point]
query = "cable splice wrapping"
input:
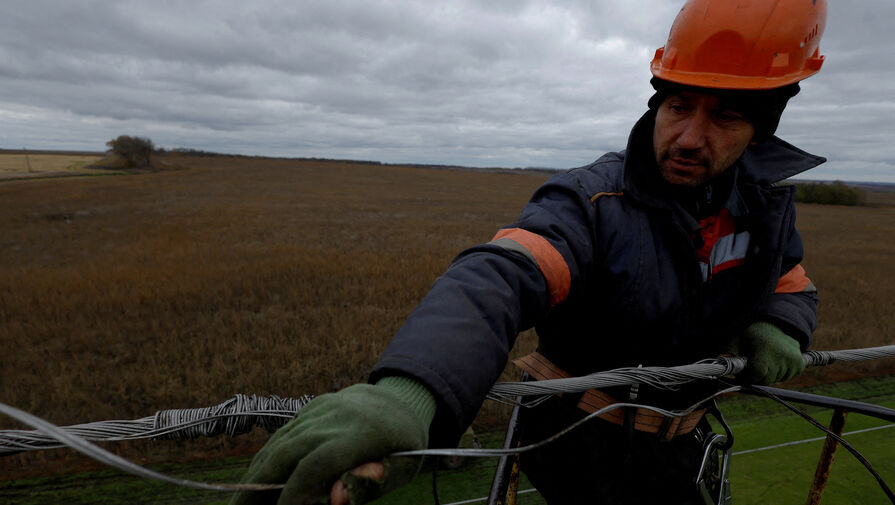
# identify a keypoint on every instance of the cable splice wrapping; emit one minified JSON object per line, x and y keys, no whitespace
{"x":242,"y":412}
{"x":223,"y":419}
{"x":233,"y":417}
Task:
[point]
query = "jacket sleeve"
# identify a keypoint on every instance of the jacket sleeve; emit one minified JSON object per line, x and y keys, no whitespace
{"x":793,"y":306}
{"x":457,"y":341}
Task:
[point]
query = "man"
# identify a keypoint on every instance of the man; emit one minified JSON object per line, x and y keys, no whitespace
{"x":677,"y":249}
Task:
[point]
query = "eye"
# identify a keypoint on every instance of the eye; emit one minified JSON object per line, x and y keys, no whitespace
{"x":678,"y":107}
{"x":729,"y":116}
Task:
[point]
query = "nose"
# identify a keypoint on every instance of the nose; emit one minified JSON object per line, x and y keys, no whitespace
{"x":694,"y":131}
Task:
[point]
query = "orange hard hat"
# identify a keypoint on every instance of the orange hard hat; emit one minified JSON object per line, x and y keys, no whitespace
{"x":743,"y":44}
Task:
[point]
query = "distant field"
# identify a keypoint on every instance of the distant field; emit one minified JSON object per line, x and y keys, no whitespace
{"x":121,"y":296}
{"x":21,"y":165}
{"x":126,"y":295}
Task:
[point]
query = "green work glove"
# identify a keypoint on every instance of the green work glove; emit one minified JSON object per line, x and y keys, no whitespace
{"x":336,"y":432}
{"x":773,"y":356}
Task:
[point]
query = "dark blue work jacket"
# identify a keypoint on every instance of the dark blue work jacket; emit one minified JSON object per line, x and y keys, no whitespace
{"x":603,"y":262}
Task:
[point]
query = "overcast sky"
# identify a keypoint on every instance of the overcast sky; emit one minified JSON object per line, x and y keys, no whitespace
{"x":508,"y":83}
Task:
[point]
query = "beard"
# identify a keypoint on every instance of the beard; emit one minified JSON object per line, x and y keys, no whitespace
{"x":685,"y":167}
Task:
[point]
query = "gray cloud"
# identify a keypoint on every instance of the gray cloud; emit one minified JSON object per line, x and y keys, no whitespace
{"x":473,"y":82}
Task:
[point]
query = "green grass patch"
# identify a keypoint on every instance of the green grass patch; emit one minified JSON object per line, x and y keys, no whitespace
{"x":76,"y":165}
{"x":115,"y":487}
{"x":784,"y":475}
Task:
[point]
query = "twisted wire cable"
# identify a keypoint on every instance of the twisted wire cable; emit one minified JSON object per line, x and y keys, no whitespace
{"x":670,"y":378}
{"x":485,"y":453}
{"x":241,"y":413}
{"x":103,"y":456}
{"x":233,"y":417}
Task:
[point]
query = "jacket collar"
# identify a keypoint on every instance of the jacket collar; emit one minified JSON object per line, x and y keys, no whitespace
{"x":774,"y":160}
{"x":765,"y":163}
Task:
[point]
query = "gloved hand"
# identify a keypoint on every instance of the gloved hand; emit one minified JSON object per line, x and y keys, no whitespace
{"x":335,"y":433}
{"x":773,"y":356}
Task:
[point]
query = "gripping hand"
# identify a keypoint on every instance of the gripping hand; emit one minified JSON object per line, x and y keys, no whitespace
{"x":337,"y":432}
{"x":773,"y":356}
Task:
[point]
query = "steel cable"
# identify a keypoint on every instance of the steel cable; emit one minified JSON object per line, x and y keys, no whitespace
{"x":233,"y":417}
{"x":241,"y":413}
{"x":668,"y":378}
{"x":106,"y":457}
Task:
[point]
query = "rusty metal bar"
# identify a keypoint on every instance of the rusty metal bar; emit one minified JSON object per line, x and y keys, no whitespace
{"x":840,"y":408}
{"x":825,"y":463}
{"x":866,"y":409}
{"x":506,"y":476}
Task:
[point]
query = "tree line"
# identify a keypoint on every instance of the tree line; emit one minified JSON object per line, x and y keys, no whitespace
{"x":834,"y":193}
{"x":136,"y":152}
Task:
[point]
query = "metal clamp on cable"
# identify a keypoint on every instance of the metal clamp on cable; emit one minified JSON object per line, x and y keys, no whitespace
{"x":712,"y":480}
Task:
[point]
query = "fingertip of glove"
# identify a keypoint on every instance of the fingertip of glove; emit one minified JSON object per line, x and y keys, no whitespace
{"x":362,"y":490}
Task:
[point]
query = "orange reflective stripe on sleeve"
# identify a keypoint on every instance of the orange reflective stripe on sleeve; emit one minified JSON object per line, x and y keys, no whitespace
{"x":795,"y":281}
{"x":548,"y":259}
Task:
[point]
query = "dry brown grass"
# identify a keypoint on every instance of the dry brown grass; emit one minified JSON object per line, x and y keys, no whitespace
{"x":15,"y":165}
{"x":849,"y":254}
{"x":123,"y":295}
{"x":120,"y":296}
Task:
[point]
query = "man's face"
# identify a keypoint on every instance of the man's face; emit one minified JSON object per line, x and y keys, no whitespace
{"x":697,"y":137}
